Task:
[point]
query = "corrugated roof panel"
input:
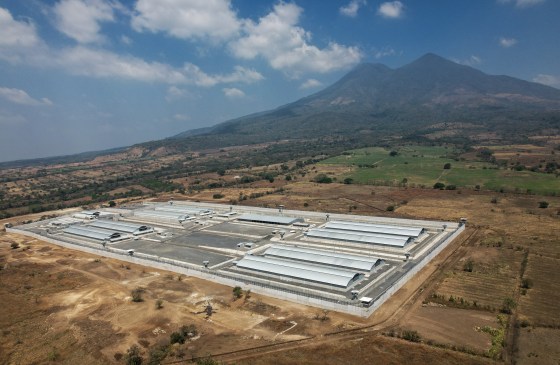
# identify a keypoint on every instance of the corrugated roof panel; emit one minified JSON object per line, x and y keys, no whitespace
{"x":323,"y":257}
{"x":120,"y":226}
{"x":271,"y":219}
{"x":161,"y":214}
{"x":376,"y":228}
{"x":88,"y":233}
{"x":304,"y":272}
{"x":395,"y":241}
{"x":182,"y":210}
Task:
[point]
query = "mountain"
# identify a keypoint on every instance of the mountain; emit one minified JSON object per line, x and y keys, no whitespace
{"x":375,"y":99}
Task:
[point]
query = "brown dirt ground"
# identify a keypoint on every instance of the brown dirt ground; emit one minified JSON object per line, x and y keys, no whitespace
{"x":539,"y":346}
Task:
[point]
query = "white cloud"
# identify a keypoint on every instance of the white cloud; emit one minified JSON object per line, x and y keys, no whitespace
{"x":507,"y":42}
{"x":471,"y":61}
{"x":11,"y":119}
{"x":277,"y":38}
{"x":391,"y":9}
{"x":240,"y":74}
{"x":17,"y":38}
{"x":385,"y":52}
{"x":351,"y":10}
{"x":549,"y":80}
{"x":174,"y":93}
{"x":187,"y":19}
{"x":233,"y":93}
{"x":79,"y":19}
{"x":126,"y":40}
{"x":522,"y":3}
{"x":310,"y":84}
{"x":21,"y":97}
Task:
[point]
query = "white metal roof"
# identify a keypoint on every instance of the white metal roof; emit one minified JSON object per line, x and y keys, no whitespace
{"x":121,"y":226}
{"x":182,"y":210}
{"x":323,"y":257}
{"x":376,"y":228}
{"x":271,"y":219}
{"x":387,"y":240}
{"x":316,"y":273}
{"x":161,"y":214}
{"x":90,"y":233}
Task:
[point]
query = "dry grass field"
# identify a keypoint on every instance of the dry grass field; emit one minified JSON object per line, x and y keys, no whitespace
{"x":63,"y":306}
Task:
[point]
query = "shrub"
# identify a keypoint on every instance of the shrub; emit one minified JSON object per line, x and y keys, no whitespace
{"x":159,"y":304}
{"x":393,"y":153}
{"x":390,"y":208}
{"x":543,"y":205}
{"x":439,"y":185}
{"x":411,"y":336}
{"x":133,"y":356}
{"x":217,"y":196}
{"x":348,"y":181}
{"x":322,"y":179}
{"x":450,"y":187}
{"x":137,"y":295}
{"x":237,"y":292}
{"x":447,"y":166}
{"x":469,"y":265}
{"x":177,"y":337}
{"x":14,"y":245}
{"x":527,"y":283}
{"x":508,"y":306}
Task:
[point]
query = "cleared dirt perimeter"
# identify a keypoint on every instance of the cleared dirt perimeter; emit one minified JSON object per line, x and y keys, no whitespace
{"x":67,"y":307}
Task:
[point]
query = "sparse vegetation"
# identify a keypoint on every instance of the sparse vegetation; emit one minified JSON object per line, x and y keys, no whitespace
{"x":159,"y":303}
{"x":543,"y":204}
{"x":133,"y":356}
{"x":137,"y":295}
{"x":237,"y":292}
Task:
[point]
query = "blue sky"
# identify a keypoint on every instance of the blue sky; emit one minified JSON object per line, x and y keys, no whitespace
{"x":82,"y":75}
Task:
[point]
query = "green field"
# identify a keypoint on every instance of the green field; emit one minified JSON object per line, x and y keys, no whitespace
{"x":423,"y":166}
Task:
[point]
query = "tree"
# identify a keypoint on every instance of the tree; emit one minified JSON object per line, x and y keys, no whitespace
{"x":526,"y":283}
{"x":322,"y":179}
{"x":393,"y":153}
{"x":133,"y":356}
{"x":508,"y":305}
{"x":237,"y":292}
{"x":159,"y":304}
{"x":348,"y":181}
{"x":14,"y":245}
{"x":543,"y":204}
{"x":112,"y":203}
{"x":447,"y":166}
{"x":177,"y":337}
{"x":439,"y":185}
{"x":288,"y":178}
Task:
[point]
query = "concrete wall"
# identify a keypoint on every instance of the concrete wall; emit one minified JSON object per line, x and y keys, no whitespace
{"x":273,"y":289}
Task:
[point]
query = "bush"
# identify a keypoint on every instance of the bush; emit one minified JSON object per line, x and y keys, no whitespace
{"x":177,"y":337}
{"x":527,"y":283}
{"x":508,"y":306}
{"x":450,"y":187}
{"x":322,"y":179}
{"x":393,"y":153}
{"x":14,"y":245}
{"x":494,"y":200}
{"x":237,"y":292}
{"x":348,"y":181}
{"x":411,"y":336}
{"x":137,"y":295}
{"x":217,"y":196}
{"x":439,"y":185}
{"x":447,"y":166}
{"x":543,"y":205}
{"x":469,"y":265}
{"x":133,"y":356}
{"x":112,"y":203}
{"x":159,"y":304}
{"x":390,"y":208}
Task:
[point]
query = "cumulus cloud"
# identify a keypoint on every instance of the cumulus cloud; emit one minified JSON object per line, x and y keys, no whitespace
{"x":286,"y":46}
{"x":522,"y":3}
{"x":351,"y":10}
{"x":507,"y":42}
{"x":17,"y":38}
{"x":233,"y":93}
{"x":549,"y":80}
{"x":310,"y":84}
{"x":187,"y":19}
{"x":21,"y":97}
{"x":79,"y":19}
{"x":126,"y":40}
{"x":391,"y":9}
